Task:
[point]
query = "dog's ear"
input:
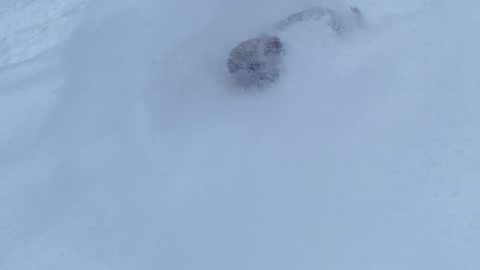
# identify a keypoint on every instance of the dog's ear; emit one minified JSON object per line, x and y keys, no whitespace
{"x":273,"y":45}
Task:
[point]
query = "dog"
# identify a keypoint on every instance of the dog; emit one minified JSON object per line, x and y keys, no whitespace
{"x":257,"y":62}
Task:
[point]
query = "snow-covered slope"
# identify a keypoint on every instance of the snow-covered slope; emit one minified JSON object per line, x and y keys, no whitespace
{"x":30,"y":27}
{"x":128,"y":149}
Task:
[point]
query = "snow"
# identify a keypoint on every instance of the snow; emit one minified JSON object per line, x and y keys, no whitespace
{"x":29,"y":27}
{"x":123,"y":145}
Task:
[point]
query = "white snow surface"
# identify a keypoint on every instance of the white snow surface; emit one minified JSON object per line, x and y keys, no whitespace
{"x":124,"y":146}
